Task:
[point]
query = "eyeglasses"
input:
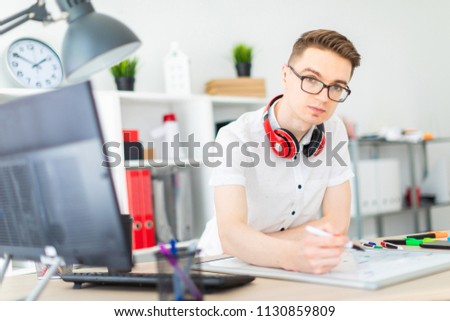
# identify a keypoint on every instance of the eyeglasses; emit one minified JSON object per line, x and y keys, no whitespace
{"x":314,"y":86}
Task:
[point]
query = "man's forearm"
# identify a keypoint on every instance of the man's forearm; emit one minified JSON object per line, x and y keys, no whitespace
{"x":294,"y":233}
{"x":253,"y":246}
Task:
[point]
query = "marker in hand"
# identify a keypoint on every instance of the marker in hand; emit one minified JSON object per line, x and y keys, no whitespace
{"x":319,"y":232}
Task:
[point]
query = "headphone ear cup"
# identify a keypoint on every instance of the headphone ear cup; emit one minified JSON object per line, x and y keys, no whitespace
{"x":289,"y":146}
{"x":317,"y":142}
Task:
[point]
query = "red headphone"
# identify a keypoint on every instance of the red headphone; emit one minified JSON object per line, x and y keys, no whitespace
{"x":284,"y":144}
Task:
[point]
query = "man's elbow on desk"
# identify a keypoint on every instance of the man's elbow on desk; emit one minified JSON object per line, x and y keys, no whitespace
{"x":231,"y":236}
{"x":227,"y":246}
{"x":254,"y":247}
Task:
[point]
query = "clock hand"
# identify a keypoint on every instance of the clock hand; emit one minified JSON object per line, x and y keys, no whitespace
{"x":16,"y":55}
{"x":37,"y":64}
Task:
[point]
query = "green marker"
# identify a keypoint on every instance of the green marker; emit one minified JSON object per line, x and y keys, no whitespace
{"x":406,"y":241}
{"x":424,"y":240}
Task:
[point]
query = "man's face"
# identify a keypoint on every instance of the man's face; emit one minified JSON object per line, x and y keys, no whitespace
{"x":323,"y":65}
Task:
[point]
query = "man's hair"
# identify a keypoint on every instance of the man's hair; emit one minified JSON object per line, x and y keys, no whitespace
{"x":327,"y":40}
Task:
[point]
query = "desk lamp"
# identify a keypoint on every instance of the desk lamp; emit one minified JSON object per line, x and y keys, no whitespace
{"x":93,"y":41}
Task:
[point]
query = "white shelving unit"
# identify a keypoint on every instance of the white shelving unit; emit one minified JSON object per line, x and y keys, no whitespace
{"x":414,"y":166}
{"x":197,"y":115}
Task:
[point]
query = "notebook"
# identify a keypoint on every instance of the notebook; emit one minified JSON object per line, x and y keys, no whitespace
{"x":372,"y":269}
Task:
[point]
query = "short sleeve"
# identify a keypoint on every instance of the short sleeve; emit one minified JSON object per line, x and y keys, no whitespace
{"x":227,"y":165}
{"x":338,"y":154}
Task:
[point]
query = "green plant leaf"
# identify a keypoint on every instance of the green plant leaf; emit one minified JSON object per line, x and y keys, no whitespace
{"x":126,"y":68}
{"x":242,"y":53}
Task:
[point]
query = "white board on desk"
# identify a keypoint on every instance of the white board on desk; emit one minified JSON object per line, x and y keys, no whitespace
{"x":372,"y":269}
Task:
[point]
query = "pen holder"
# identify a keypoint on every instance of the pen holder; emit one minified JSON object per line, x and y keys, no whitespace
{"x":179,"y":282}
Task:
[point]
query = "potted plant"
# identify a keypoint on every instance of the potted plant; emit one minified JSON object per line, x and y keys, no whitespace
{"x":124,"y":73}
{"x":243,"y":56}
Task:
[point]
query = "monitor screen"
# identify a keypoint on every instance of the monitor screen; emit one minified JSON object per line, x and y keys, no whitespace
{"x":55,"y":189}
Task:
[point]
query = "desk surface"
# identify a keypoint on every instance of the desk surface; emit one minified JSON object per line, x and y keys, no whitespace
{"x":432,"y":287}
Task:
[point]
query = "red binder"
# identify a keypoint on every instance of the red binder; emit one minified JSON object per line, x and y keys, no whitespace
{"x":134,"y":204}
{"x":140,"y":201}
{"x":147,"y":208}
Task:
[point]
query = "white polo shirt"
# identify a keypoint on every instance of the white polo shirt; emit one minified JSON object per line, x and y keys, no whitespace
{"x":281,"y":193}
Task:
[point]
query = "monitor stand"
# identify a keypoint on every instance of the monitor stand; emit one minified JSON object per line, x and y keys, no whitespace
{"x":54,"y":263}
{"x":50,"y":259}
{"x":7,"y":259}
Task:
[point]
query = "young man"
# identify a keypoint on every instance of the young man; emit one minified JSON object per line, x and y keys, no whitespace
{"x":286,"y":163}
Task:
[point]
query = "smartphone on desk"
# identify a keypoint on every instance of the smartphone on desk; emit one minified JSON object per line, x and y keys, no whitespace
{"x":441,"y":245}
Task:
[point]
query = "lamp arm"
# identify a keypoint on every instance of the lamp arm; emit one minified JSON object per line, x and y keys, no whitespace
{"x":36,"y":12}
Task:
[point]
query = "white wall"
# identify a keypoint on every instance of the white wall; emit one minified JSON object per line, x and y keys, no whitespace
{"x":403,"y":80}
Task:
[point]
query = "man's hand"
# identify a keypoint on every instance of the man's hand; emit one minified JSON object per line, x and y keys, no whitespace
{"x":314,"y":254}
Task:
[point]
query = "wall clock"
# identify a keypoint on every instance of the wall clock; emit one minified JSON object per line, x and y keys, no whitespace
{"x":33,"y":63}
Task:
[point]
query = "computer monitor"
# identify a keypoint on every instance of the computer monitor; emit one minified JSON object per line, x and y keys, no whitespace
{"x":55,"y":189}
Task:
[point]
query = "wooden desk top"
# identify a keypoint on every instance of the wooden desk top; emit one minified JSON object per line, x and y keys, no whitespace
{"x":432,"y":287}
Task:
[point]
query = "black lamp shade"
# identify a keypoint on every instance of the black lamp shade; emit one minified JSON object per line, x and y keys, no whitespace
{"x":95,"y":42}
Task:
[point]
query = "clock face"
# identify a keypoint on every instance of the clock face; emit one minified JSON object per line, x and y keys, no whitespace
{"x":34,"y":64}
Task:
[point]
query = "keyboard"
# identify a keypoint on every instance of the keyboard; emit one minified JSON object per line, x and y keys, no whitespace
{"x":211,"y":282}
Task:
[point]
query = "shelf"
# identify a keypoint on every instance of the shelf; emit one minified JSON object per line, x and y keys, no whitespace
{"x":162,"y":97}
{"x":226,"y":100}
{"x":398,"y":142}
{"x":158,"y":163}
{"x":155,"y":97}
{"x":405,"y":210}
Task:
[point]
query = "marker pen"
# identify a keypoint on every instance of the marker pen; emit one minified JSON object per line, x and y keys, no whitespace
{"x":435,"y":235}
{"x":425,"y":240}
{"x":429,"y":240}
{"x":372,"y":245}
{"x":177,"y":286}
{"x":408,"y":241}
{"x":319,"y":232}
{"x":391,"y":246}
{"x":368,"y":242}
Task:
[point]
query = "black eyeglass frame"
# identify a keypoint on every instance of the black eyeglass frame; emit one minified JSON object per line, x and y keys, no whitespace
{"x":347,"y":89}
